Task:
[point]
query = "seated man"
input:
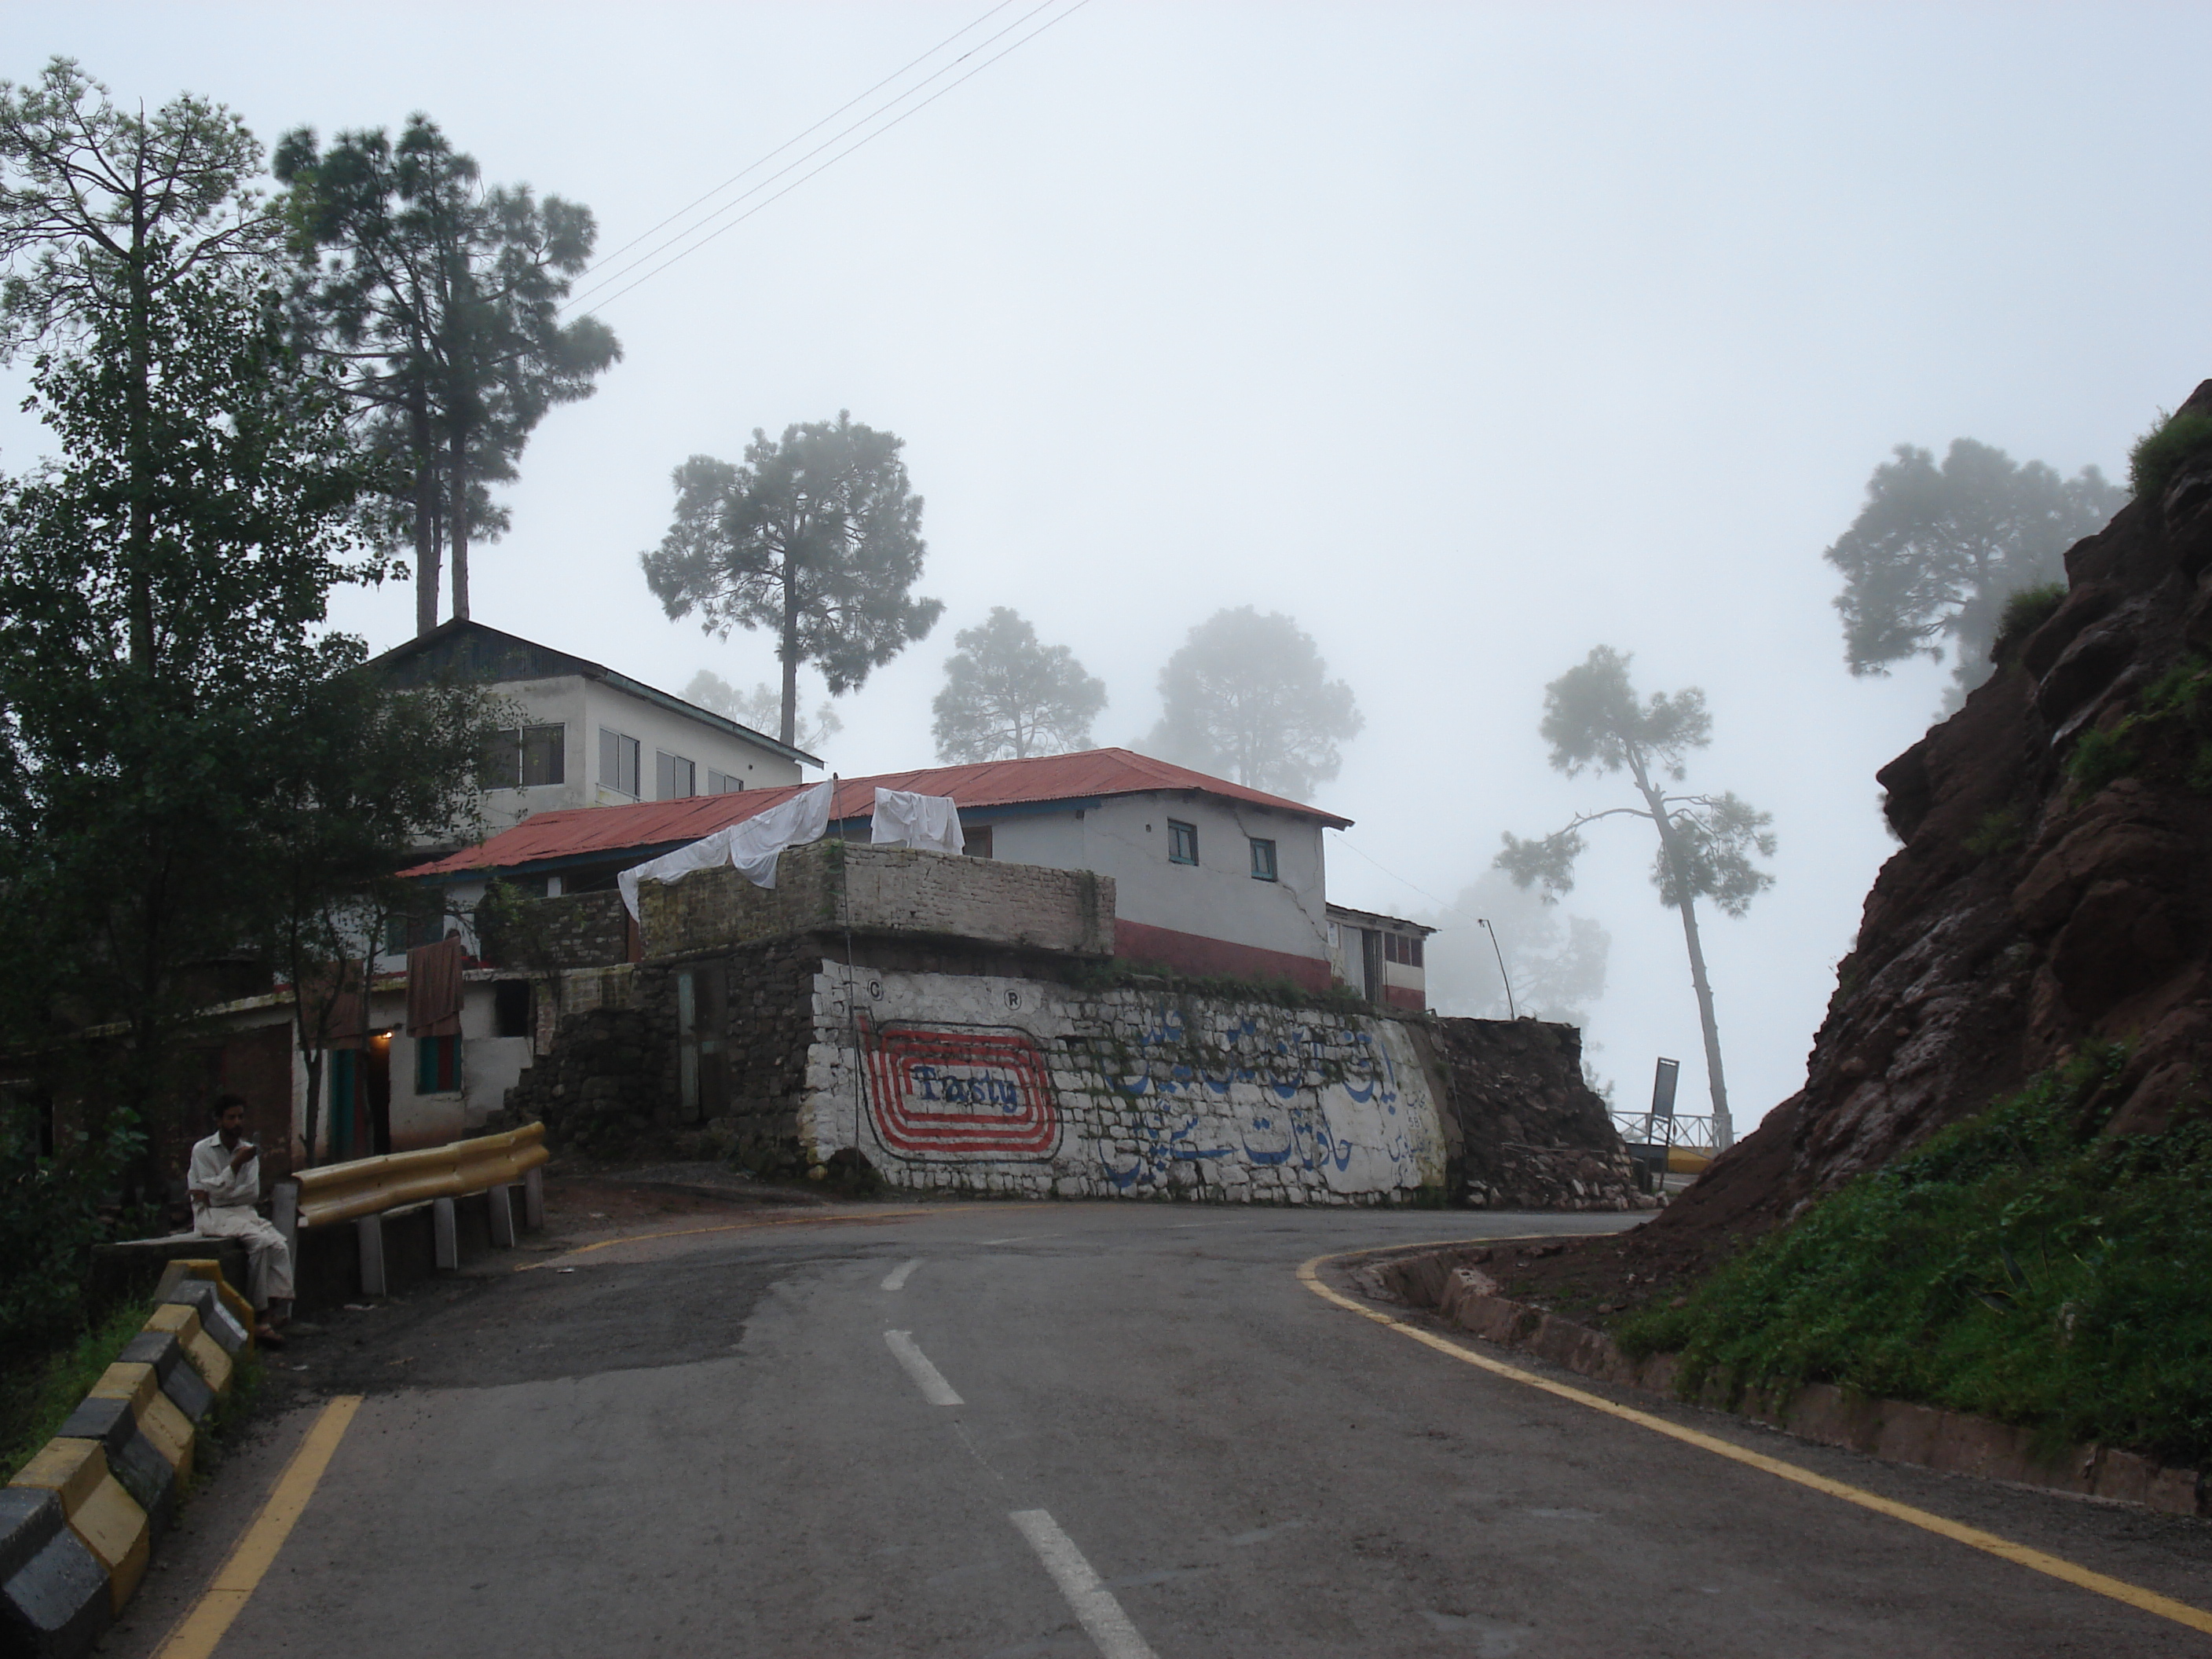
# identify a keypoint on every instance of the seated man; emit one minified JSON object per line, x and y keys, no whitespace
{"x":226,"y":1182}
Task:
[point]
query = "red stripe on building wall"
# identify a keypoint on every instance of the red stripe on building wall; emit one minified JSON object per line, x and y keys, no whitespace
{"x":1193,"y":954}
{"x":1399,"y":996}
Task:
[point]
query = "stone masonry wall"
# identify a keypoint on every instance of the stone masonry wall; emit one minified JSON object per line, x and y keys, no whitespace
{"x":1022,"y":1085}
{"x":578,"y":930}
{"x":839,"y":885}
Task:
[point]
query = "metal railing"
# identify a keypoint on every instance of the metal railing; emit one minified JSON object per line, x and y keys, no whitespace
{"x":370,"y":1186}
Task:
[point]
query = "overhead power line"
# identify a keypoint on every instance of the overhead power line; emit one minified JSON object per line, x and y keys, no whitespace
{"x":801,"y":160}
{"x":613,"y":254}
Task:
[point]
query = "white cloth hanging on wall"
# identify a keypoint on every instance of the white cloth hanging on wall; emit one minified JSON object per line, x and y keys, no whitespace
{"x":903,"y":818}
{"x":751,"y":846}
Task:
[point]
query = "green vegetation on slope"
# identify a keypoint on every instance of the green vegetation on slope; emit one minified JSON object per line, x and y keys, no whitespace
{"x":2019,"y":1267}
{"x":39,"y":1396}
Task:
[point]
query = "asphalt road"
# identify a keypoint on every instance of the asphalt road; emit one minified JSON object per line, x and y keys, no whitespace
{"x":719,"y":1442}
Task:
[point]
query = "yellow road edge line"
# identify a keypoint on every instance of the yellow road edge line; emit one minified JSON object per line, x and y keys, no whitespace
{"x":2165,"y":1606}
{"x":905,"y":1213}
{"x":197,"y":1634}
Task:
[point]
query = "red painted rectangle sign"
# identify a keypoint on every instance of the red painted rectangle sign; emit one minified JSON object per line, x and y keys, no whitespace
{"x":960,"y":1091}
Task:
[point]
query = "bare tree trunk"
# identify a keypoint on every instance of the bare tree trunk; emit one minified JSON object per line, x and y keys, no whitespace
{"x":789,"y":652}
{"x":458,"y":515}
{"x":1716,"y":1078}
{"x":138,"y":399}
{"x":427,"y":551}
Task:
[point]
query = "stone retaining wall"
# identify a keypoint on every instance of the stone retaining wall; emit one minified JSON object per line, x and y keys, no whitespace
{"x":1024,"y":1085}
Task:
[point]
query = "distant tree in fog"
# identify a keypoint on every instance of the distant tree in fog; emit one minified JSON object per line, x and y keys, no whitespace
{"x":1594,"y":721}
{"x":1248,"y":697}
{"x":1937,"y":551}
{"x":762,"y":708}
{"x":1557,"y":962}
{"x":816,"y":537}
{"x":1006,"y":694}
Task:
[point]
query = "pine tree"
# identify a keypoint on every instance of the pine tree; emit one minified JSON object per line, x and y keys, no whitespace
{"x":815,"y":535}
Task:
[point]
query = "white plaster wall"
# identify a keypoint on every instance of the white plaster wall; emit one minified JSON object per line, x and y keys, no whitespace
{"x":1146,"y":1096}
{"x":1054,"y":839}
{"x":1126,"y":836}
{"x":658,"y":728}
{"x":491,"y":1066}
{"x":544,"y":702}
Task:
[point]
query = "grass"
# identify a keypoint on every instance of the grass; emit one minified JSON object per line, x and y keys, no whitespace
{"x":2024,"y":613}
{"x":2020,"y":1265}
{"x":2177,"y":697}
{"x":1999,"y":831}
{"x":2159,"y":453}
{"x":39,"y":1400}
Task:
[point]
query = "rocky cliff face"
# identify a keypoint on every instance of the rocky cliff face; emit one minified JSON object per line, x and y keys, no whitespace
{"x":1523,"y":1131}
{"x":2055,"y":883}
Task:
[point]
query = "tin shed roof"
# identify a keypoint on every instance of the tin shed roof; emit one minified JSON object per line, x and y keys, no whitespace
{"x":1089,"y":774}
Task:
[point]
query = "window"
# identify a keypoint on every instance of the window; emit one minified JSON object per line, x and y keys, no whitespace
{"x":437,"y":1065}
{"x":723,"y":783}
{"x":975,"y":843}
{"x":674,"y":778}
{"x":1401,"y":948}
{"x":421,"y":924}
{"x":1183,"y":843}
{"x":522,"y":757}
{"x":545,"y":754}
{"x":1263,"y":859}
{"x":618,"y":763}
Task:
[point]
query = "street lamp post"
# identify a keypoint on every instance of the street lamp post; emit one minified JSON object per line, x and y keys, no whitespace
{"x":1512,"y":1012}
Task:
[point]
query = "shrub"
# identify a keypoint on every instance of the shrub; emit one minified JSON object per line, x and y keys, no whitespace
{"x":2020,"y":1265}
{"x":1997,"y":832}
{"x":50,"y":1220}
{"x":2159,"y":453}
{"x":2024,"y":613}
{"x":2100,"y":757}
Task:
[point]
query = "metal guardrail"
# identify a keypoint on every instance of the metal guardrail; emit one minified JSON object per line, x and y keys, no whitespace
{"x":370,"y":1186}
{"x":1688,"y":1134}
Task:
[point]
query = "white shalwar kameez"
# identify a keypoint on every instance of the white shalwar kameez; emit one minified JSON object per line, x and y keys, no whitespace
{"x":231,"y":1195}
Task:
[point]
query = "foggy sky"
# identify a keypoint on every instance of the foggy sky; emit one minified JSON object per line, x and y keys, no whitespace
{"x":1472,"y":338}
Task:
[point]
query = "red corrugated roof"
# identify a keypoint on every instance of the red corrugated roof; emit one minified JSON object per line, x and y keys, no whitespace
{"x":1093,"y":773}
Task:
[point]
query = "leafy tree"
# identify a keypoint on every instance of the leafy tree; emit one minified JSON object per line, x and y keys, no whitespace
{"x":817,"y":536}
{"x":1594,"y":720}
{"x":761,"y":710}
{"x":441,"y":300}
{"x":1557,"y":962}
{"x":151,"y":684}
{"x":368,"y":774}
{"x":105,"y":216}
{"x":1248,"y":696}
{"x":1935,"y":553}
{"x":1006,"y":694}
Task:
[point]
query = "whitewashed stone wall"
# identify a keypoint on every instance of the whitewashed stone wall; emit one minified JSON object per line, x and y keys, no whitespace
{"x":981,"y":1083}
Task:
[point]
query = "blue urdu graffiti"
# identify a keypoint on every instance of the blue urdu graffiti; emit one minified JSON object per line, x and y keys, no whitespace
{"x":1320,"y":1098}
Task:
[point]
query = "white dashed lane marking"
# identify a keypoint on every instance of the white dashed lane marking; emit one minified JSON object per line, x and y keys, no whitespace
{"x":1095,"y":1608}
{"x":926,"y":1378}
{"x":897,"y":1278}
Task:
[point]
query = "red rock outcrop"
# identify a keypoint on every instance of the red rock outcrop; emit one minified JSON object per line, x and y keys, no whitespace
{"x":2026,"y":911}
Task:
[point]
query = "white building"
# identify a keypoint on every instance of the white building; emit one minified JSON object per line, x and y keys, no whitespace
{"x":1211,"y":878}
{"x":587,"y":736}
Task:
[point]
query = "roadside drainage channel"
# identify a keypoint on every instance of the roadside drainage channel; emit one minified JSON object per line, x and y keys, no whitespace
{"x":79,"y":1525}
{"x":1895,"y":1430}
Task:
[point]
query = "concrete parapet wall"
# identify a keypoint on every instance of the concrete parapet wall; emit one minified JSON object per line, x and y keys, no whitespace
{"x":998,"y":1083}
{"x":831,"y":886}
{"x":79,"y":1524}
